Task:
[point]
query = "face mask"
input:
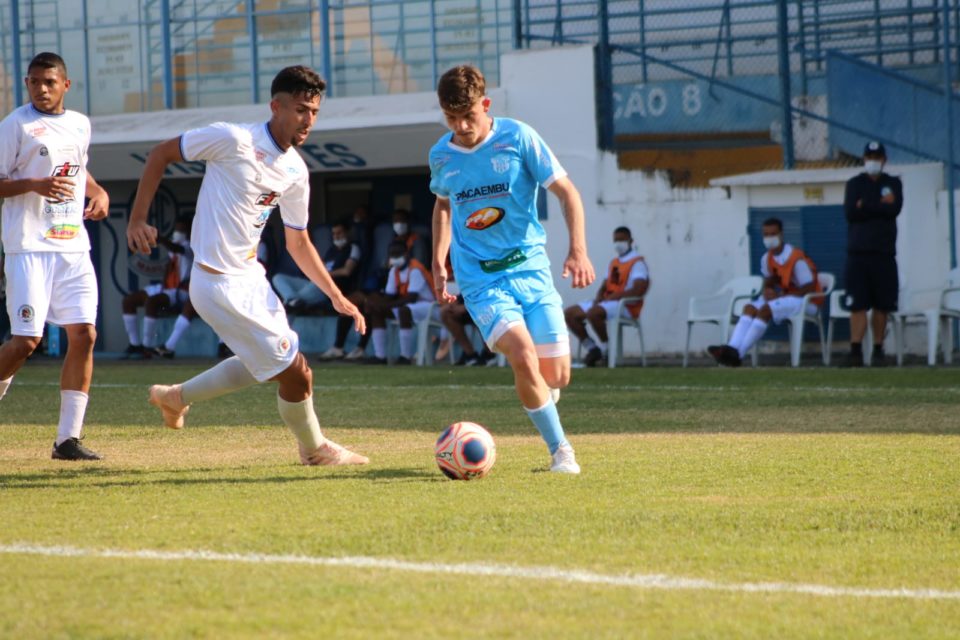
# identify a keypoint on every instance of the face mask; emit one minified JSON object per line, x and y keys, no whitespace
{"x":339,"y":243}
{"x":873,"y":167}
{"x":178,"y":237}
{"x":771,"y":242}
{"x":398,"y":262}
{"x":400,"y":228}
{"x":621,"y":247}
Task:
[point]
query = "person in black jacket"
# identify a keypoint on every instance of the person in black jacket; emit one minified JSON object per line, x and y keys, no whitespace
{"x":872,"y":202}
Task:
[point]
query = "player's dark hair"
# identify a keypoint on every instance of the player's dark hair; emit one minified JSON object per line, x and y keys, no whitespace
{"x":298,"y":80}
{"x":625,"y":230}
{"x":773,"y":222}
{"x":403,"y":213}
{"x":397,"y":245}
{"x":48,"y":60}
{"x":460,"y":87}
{"x":339,"y":223}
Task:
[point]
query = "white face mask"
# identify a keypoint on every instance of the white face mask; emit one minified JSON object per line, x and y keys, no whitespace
{"x":178,"y":237}
{"x":621,"y":247}
{"x":339,"y":243}
{"x":771,"y":242}
{"x":398,"y":262}
{"x":873,"y":167}
{"x":400,"y":228}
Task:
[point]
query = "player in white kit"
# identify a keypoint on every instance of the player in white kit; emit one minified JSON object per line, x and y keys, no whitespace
{"x":50,"y":278}
{"x":251,"y":170}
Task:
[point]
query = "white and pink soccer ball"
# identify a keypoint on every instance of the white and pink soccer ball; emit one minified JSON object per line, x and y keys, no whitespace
{"x":465,"y":451}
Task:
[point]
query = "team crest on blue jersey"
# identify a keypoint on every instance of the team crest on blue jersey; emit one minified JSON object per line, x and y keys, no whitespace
{"x":501,"y":164}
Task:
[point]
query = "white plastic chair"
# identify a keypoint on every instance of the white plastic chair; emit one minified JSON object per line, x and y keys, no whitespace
{"x":424,"y":354}
{"x":798,"y":320}
{"x":615,"y":327}
{"x":721,"y":307}
{"x":935,"y":307}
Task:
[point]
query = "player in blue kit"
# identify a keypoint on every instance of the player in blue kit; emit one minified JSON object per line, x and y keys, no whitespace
{"x":485,"y":174}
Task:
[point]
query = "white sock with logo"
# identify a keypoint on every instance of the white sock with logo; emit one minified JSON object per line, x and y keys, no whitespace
{"x":379,"y":338}
{"x":226,"y":377}
{"x":301,"y":419}
{"x":406,"y":343}
{"x":73,"y":405}
{"x":130,"y":324}
{"x":149,"y":332}
{"x":4,"y":385}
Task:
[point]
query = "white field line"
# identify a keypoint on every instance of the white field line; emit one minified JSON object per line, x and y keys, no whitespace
{"x":592,"y":387}
{"x":546,"y":574}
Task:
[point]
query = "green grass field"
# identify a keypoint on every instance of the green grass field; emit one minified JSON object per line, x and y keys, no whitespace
{"x":845,"y":479}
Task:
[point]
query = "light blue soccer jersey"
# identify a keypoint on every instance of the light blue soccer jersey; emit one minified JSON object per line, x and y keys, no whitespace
{"x":493,"y":199}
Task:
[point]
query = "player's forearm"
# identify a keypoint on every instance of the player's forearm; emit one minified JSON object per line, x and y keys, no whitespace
{"x":441,"y":233}
{"x":307,"y":258}
{"x":154,"y":168}
{"x":572,"y":207}
{"x":11,"y":188}
{"x":93,"y":187}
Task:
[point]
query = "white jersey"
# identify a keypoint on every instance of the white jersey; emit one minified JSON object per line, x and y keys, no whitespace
{"x":248,"y":175}
{"x":414,"y":280}
{"x":34,"y":144}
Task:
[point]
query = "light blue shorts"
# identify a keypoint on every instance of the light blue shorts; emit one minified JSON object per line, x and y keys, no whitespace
{"x":523,"y":297}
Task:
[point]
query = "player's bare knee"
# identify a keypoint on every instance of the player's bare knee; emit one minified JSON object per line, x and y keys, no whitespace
{"x":749,"y":310}
{"x":23,"y":346}
{"x":82,"y":337}
{"x":557,"y":378}
{"x":765,"y":314}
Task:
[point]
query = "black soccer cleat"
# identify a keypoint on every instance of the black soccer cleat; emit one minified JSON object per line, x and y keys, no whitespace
{"x":71,"y":449}
{"x":163,"y":352}
{"x":593,"y":357}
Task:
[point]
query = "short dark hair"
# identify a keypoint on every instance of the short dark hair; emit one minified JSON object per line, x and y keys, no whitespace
{"x":403,"y":213}
{"x":339,"y":223}
{"x":397,"y":246}
{"x":625,"y":230}
{"x":773,"y":222}
{"x":298,"y":79}
{"x":460,"y":87}
{"x":48,"y":60}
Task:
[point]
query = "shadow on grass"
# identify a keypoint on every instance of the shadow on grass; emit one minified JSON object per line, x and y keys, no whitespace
{"x":105,"y":478}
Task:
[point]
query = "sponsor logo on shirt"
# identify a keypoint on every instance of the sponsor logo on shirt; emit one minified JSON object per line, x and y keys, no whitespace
{"x":62,"y":232}
{"x":66,"y":170}
{"x":268,"y":199}
{"x":485,"y":218}
{"x":503,"y":146}
{"x":25,"y":313}
{"x":36,"y":132}
{"x":450,"y":174}
{"x":259,"y":155}
{"x":44,"y":151}
{"x":485,"y":190}
{"x":501,"y":164}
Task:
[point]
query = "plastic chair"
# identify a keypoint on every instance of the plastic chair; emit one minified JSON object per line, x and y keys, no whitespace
{"x":798,"y":320}
{"x":839,"y":310}
{"x":935,"y":307}
{"x":721,"y":307}
{"x":615,"y":327}
{"x":424,"y":354}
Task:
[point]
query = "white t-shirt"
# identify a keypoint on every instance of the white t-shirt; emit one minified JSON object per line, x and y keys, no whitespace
{"x":801,"y":275}
{"x":418,"y":284}
{"x":34,"y":144}
{"x":248,"y":175}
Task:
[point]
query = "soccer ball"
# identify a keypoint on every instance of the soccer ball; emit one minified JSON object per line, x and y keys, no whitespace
{"x":465,"y":451}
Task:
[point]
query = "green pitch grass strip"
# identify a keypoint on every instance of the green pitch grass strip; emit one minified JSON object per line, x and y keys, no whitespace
{"x":836,"y":478}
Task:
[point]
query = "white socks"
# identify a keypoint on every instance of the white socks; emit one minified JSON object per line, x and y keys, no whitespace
{"x":406,"y":343}
{"x":228,"y":376}
{"x":4,"y":385}
{"x":588,"y":343}
{"x":740,"y":331}
{"x":149,"y":332}
{"x":302,"y":421}
{"x":181,"y":325}
{"x":130,"y":324}
{"x":756,"y":330}
{"x":73,"y":404}
{"x":379,"y":337}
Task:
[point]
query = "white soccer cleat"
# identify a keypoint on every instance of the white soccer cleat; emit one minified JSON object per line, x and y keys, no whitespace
{"x":356,"y":354}
{"x":170,"y":402}
{"x":564,"y":460}
{"x":555,"y":395}
{"x":331,"y":454}
{"x":333,"y":353}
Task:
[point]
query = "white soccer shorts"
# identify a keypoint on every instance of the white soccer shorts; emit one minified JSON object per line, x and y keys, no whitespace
{"x":784,"y":307}
{"x":610,"y":306}
{"x":419,"y":311}
{"x":46,"y":286}
{"x":176,"y":296}
{"x":249,"y":317}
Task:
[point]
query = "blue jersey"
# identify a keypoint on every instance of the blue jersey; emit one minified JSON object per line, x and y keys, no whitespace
{"x":492,"y":190}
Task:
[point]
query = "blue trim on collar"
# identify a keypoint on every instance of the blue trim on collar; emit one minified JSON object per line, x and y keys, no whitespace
{"x":266,"y":127}
{"x":49,"y":115}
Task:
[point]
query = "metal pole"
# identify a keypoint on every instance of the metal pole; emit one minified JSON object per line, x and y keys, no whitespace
{"x":254,"y":61}
{"x":948,"y":97}
{"x":604,"y":79}
{"x":18,"y":73}
{"x":433,"y":44}
{"x":784,"y":56}
{"x":517,"y":25}
{"x":325,"y":37}
{"x":167,"y":54}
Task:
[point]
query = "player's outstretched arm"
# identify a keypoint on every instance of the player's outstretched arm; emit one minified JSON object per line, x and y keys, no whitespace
{"x":441,"y":247}
{"x":577,"y":264}
{"x":99,"y":204}
{"x":141,"y":237}
{"x":303,"y":252}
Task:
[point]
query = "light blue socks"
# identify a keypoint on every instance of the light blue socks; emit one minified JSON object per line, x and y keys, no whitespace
{"x":547,"y":421}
